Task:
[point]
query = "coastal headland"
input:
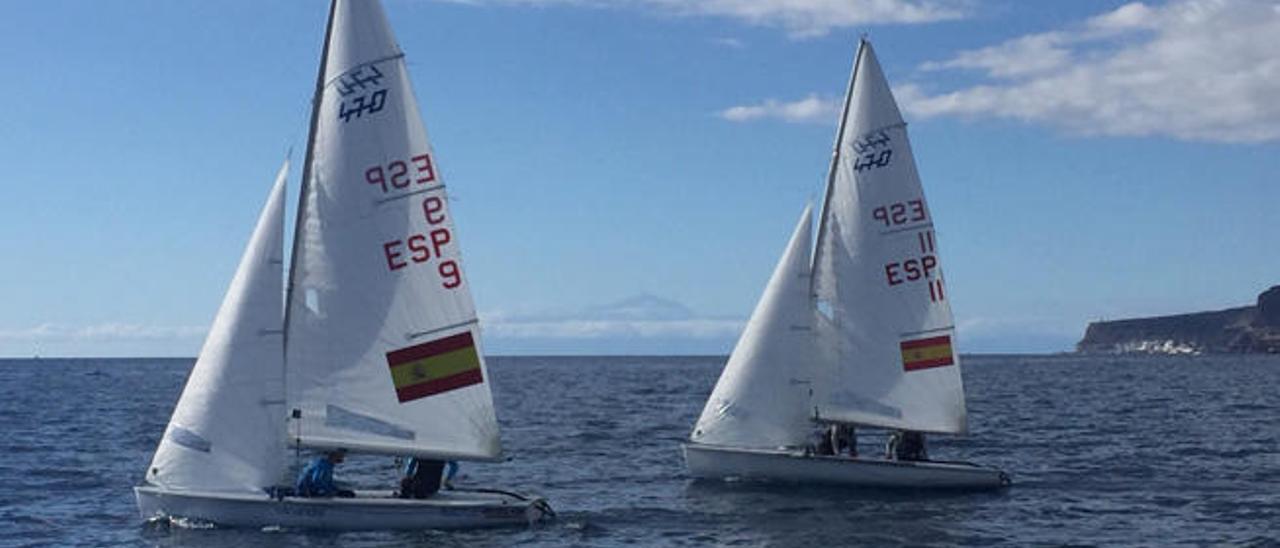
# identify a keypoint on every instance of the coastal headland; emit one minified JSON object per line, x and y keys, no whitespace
{"x":1253,"y":329}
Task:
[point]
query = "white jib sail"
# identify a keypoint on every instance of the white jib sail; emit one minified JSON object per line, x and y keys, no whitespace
{"x":227,"y":431}
{"x":884,"y":320}
{"x":762,"y":399}
{"x":382,"y":350}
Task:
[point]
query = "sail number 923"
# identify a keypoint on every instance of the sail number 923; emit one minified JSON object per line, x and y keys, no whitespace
{"x":422,"y":247}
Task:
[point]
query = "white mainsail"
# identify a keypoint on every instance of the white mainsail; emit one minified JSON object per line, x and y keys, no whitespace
{"x":762,"y":397}
{"x":382,"y":346}
{"x":884,"y":322}
{"x":227,"y":431}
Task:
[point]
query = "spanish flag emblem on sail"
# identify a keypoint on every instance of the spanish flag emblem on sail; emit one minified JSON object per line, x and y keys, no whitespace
{"x":435,"y":366}
{"x":926,"y":353}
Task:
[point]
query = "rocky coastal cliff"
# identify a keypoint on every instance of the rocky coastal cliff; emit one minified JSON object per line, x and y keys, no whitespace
{"x":1247,"y":329}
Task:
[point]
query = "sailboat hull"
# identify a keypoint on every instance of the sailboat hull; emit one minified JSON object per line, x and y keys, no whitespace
{"x":369,"y":510}
{"x":731,"y":463}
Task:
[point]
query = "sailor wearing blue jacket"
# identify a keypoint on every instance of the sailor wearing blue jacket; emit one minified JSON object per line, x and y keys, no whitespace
{"x":316,"y":480}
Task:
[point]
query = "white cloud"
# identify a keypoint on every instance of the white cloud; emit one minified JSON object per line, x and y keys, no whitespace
{"x":811,"y":109}
{"x":801,"y":18}
{"x":1196,"y":70}
{"x":1025,"y":56}
{"x":52,"y":332}
{"x":732,"y":43}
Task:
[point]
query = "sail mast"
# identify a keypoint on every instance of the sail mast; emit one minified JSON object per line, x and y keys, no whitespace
{"x":835,"y":157}
{"x":305,"y":185}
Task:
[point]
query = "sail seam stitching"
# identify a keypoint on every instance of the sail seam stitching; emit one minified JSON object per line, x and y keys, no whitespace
{"x":907,"y":229}
{"x":412,"y":336}
{"x":409,"y":194}
{"x":934,"y":330}
{"x":888,"y":127}
{"x":362,"y":65}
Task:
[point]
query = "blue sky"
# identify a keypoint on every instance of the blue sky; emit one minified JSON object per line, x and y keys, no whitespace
{"x":626,"y":172}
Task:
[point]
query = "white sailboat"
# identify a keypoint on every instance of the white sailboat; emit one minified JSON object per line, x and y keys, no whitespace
{"x":378,"y":348}
{"x":862,"y":334}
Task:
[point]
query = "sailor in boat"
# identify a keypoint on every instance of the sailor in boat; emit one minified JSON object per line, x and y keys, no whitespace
{"x":423,"y":477}
{"x":450,"y":470}
{"x":834,"y":439}
{"x":906,"y":445}
{"x":316,"y":480}
{"x":823,"y":443}
{"x":844,"y":439}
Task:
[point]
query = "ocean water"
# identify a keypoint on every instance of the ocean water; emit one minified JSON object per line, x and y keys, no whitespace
{"x":1103,"y":450}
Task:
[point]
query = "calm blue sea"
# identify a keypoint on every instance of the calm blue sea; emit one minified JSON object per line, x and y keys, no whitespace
{"x":1103,"y":450}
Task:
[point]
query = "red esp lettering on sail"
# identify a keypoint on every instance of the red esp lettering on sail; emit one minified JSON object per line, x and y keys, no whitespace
{"x":418,"y":248}
{"x":399,"y":174}
{"x":925,"y":267}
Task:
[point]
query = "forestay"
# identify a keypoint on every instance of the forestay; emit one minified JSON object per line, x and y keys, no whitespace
{"x":226,"y":433}
{"x":762,"y":399}
{"x":884,"y":319}
{"x":382,"y":345}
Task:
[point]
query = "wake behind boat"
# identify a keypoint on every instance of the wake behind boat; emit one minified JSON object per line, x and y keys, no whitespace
{"x":861,"y":334}
{"x":378,"y":350}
